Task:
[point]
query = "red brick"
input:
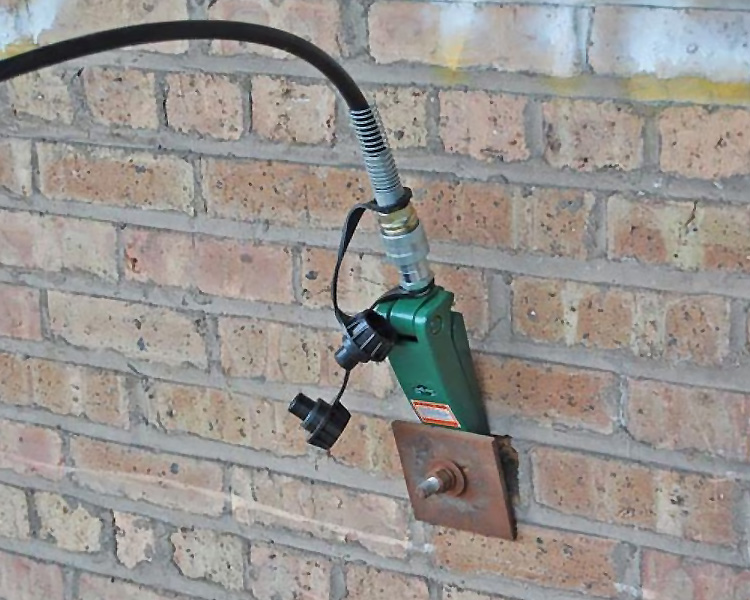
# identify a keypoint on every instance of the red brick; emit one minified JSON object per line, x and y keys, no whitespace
{"x":539,"y":309}
{"x":14,"y":513}
{"x":299,"y":575}
{"x":589,"y":136}
{"x":287,"y":111}
{"x":673,"y":417}
{"x":546,"y":557}
{"x":206,"y":104}
{"x":57,"y":244}
{"x":136,"y":330}
{"x":116,"y":177}
{"x":86,"y":17}
{"x":219,"y":267}
{"x":282,"y":193}
{"x":368,"y":444}
{"x":378,"y":523}
{"x":70,"y":527}
{"x":172,"y":481}
{"x":30,"y":450}
{"x":550,"y":394}
{"x":668,"y":577}
{"x":484,"y":126}
{"x":15,"y":166}
{"x":687,"y":235}
{"x":688,"y":506}
{"x":24,"y":579}
{"x":42,"y":94}
{"x":317,"y":21}
{"x":374,"y":584}
{"x":64,"y":389}
{"x":404,"y":114}
{"x":121,"y":97}
{"x":697,"y":142}
{"x":19,"y":313}
{"x":202,"y":554}
{"x":92,"y":587}
{"x":697,"y":329}
{"x":226,"y":417}
{"x":474,"y":36}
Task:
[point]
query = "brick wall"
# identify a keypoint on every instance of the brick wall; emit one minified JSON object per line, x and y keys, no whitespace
{"x":168,"y":220}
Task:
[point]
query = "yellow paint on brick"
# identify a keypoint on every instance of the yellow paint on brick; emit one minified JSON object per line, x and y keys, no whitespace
{"x":686,"y":89}
{"x":16,"y":48}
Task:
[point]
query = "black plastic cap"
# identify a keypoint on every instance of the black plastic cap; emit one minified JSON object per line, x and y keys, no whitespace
{"x":368,"y":337}
{"x":324,"y":422}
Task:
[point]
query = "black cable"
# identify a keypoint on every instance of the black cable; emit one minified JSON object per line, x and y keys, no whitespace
{"x":169,"y":31}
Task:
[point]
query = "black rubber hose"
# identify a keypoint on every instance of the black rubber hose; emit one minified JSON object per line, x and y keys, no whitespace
{"x":169,"y":31}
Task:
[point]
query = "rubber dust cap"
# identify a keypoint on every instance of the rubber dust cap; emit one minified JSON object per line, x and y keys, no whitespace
{"x":324,"y":422}
{"x":368,"y":337}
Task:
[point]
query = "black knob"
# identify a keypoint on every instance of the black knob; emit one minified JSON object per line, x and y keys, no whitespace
{"x":324,"y":422}
{"x":368,"y":337}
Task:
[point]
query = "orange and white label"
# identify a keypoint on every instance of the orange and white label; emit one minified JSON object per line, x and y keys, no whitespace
{"x":435,"y":414}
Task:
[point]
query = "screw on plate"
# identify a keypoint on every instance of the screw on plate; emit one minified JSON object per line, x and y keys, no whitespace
{"x":438,"y":482}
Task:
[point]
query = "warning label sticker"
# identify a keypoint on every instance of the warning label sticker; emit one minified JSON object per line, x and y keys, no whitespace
{"x":435,"y":414}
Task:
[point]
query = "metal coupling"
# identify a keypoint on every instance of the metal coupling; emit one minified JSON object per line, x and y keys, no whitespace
{"x":406,"y":247}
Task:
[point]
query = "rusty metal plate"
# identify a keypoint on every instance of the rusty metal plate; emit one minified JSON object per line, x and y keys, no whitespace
{"x":484,"y":506}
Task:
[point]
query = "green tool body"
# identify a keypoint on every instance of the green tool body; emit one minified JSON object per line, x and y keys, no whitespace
{"x":432,"y":361}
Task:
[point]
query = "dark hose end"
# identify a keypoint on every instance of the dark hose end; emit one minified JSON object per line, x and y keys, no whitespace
{"x":324,"y":422}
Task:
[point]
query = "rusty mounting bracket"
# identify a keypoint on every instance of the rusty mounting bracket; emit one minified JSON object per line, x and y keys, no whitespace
{"x":455,"y":479}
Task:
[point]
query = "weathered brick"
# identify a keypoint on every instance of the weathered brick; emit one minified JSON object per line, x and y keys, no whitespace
{"x":687,"y":235}
{"x":483,"y":125}
{"x":225,"y":416}
{"x":204,"y":103}
{"x":116,"y":177}
{"x":363,"y":278}
{"x":550,"y":394}
{"x":70,"y":527}
{"x":374,"y":584}
{"x":368,"y":444}
{"x":276,"y":573}
{"x":668,"y":43}
{"x":669,"y":577}
{"x":548,"y":221}
{"x":546,"y":557}
{"x":15,"y":166}
{"x":688,"y":506}
{"x":64,"y":389}
{"x":121,"y":97}
{"x":14,"y":516}
{"x":30,"y":450}
{"x":135,"y":539}
{"x":404,"y":114}
{"x":475,"y":36}
{"x":42,"y":94}
{"x":282,"y":193}
{"x":92,"y":587}
{"x":25,"y":579}
{"x":378,"y":523}
{"x":135,"y":330}
{"x":697,"y":142}
{"x":666,"y":326}
{"x":674,"y":417}
{"x":317,"y":21}
{"x":202,"y":554}
{"x":589,"y":136}
{"x":19,"y":312}
{"x":454,"y":593}
{"x":86,"y":17}
{"x":172,"y":481}
{"x":288,"y":111}
{"x":220,"y":267}
{"x":57,"y":244}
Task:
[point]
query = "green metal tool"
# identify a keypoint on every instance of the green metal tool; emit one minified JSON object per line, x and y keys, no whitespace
{"x":432,"y":361}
